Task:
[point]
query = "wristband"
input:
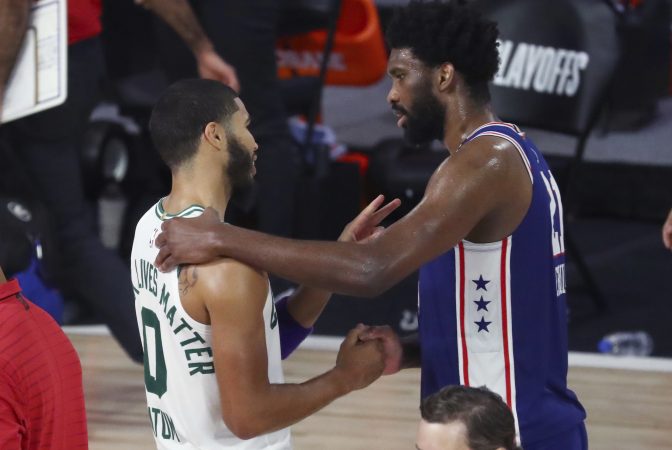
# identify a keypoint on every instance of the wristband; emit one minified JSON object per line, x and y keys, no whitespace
{"x":292,"y":333}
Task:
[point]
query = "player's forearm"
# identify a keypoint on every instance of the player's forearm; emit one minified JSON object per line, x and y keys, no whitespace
{"x":307,"y":304}
{"x":282,"y":405}
{"x":179,"y":15}
{"x":13,"y":24}
{"x":344,"y":267}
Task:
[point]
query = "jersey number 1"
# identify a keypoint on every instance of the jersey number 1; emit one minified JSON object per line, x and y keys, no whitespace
{"x":156,"y":379}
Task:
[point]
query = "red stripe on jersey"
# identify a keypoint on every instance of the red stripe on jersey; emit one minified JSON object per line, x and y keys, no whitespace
{"x":505,"y":323}
{"x":465,"y":355}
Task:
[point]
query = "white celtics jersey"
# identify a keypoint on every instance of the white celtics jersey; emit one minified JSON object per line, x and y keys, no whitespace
{"x":182,"y":392}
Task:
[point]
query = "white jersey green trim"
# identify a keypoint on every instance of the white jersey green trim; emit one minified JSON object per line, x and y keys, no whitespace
{"x":189,"y":211}
{"x":180,"y":382}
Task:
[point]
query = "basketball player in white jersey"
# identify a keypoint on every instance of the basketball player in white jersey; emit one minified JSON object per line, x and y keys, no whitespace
{"x":212,"y":336}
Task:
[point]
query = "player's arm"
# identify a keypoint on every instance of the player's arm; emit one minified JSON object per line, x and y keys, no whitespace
{"x":298,"y":313}
{"x":179,"y":15}
{"x":235,"y":295}
{"x":470,"y":186}
{"x":13,"y":24}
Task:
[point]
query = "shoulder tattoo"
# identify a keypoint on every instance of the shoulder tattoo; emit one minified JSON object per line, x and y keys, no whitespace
{"x":187,"y":279}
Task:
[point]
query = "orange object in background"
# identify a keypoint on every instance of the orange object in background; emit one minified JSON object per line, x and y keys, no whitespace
{"x":361,"y":159}
{"x":359,"y":56}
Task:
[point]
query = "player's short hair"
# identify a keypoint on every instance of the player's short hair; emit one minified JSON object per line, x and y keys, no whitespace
{"x":489,"y":422}
{"x":438,"y":32}
{"x":180,"y":115}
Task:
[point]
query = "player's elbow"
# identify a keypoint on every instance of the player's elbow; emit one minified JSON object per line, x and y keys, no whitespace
{"x":371,"y":279}
{"x":244,"y":432}
{"x":242,"y":427}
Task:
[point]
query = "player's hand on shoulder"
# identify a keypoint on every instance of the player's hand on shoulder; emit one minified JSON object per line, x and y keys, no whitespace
{"x":391,"y":346}
{"x":188,"y":241}
{"x":359,"y":363}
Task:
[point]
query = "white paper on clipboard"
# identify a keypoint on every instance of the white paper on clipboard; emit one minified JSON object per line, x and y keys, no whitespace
{"x":39,"y":80}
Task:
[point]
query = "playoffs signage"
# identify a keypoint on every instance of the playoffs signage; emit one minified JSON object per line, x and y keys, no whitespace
{"x":556,"y":60}
{"x":542,"y":69}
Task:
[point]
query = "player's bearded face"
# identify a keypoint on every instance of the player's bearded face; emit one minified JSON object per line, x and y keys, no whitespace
{"x":426,"y":116}
{"x":240,"y":170}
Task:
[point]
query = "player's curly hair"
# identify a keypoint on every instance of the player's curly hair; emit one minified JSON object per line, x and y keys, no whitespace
{"x":439,"y":31}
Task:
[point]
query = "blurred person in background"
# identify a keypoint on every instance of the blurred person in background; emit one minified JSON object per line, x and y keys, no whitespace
{"x":244,"y":32}
{"x":41,"y":394}
{"x":47,"y":145}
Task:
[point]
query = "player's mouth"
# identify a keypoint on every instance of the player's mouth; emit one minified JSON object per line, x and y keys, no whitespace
{"x":401,"y":117}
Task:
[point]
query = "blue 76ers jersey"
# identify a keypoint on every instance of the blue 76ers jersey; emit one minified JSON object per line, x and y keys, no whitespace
{"x":494,"y":314}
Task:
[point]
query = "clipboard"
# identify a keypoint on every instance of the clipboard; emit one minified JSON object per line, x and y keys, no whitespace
{"x":39,"y":78}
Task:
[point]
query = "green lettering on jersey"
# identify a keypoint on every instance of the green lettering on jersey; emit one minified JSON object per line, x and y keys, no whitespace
{"x":173,"y":431}
{"x":198,"y":352}
{"x":201,"y":367}
{"x":153,"y":419}
{"x":156,"y":384}
{"x":171,"y":315}
{"x":148,"y":276}
{"x":164,"y":297}
{"x":167,"y":430}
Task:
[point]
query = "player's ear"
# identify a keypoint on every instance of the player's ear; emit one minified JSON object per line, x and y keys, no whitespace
{"x":446,"y":76}
{"x":215,"y":135}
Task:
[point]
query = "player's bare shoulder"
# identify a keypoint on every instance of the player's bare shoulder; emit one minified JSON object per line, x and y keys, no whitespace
{"x":489,"y":153}
{"x":495,"y":163}
{"x":210,"y":286}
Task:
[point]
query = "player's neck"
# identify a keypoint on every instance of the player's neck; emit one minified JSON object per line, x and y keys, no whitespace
{"x":2,"y":276}
{"x":462,"y":118}
{"x":205,"y":189}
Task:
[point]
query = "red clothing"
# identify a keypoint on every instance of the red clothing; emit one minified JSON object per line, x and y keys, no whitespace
{"x":41,"y":396}
{"x":83,"y":19}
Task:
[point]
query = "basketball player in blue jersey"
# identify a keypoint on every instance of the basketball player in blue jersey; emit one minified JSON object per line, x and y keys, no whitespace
{"x":213,"y":337}
{"x":487,"y":236}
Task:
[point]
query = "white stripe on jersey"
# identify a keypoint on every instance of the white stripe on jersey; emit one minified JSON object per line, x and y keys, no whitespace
{"x":484,"y":328}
